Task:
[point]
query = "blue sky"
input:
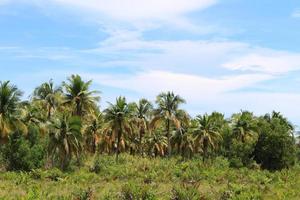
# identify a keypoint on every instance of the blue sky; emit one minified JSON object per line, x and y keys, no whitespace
{"x":219,"y":55}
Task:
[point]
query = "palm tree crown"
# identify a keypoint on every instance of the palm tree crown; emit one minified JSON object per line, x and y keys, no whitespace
{"x":10,"y":97}
{"x":65,"y":138}
{"x":244,"y":125}
{"x":49,"y":94}
{"x":79,"y":95}
{"x":117,"y":118}
{"x":142,"y":112}
{"x":168,"y":112}
{"x":206,"y":133}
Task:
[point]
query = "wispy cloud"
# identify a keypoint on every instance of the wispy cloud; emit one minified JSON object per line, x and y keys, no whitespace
{"x":267,"y":61}
{"x":296,"y":13}
{"x":137,"y":14}
{"x":136,"y":10}
{"x":3,"y":2}
{"x":211,"y":73}
{"x":184,"y":84}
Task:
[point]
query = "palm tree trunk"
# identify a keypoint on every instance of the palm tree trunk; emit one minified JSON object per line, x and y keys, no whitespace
{"x":118,"y":144}
{"x":78,"y":109}
{"x":140,"y":142}
{"x":49,"y":112}
{"x":168,"y":136}
{"x":205,"y":148}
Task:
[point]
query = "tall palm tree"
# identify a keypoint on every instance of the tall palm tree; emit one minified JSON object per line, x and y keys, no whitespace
{"x":117,"y":118}
{"x":78,"y":94}
{"x":168,"y":112}
{"x":142,"y":112}
{"x":10,"y":97}
{"x":33,"y":115}
{"x":244,"y":125}
{"x":65,"y":138}
{"x":206,"y":134}
{"x":156,"y":143}
{"x":49,"y":95}
{"x":284,"y":121}
{"x":93,"y":131}
{"x":182,"y":139}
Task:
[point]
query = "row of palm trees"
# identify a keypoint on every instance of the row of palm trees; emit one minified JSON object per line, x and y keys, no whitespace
{"x":69,"y":116}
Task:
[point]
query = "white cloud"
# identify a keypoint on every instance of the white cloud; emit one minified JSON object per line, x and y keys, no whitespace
{"x":138,"y":14}
{"x":271,"y":62}
{"x":205,"y":94}
{"x":3,"y":2}
{"x":296,"y":13}
{"x":139,"y":9}
{"x":193,"y":87}
{"x":196,"y":56}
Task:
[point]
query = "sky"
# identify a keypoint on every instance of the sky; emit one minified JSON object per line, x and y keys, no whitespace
{"x":220,"y":55}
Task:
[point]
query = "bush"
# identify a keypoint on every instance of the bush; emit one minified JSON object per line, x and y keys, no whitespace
{"x":275,"y":151}
{"x":55,"y":174}
{"x":84,"y":194}
{"x":185,"y":193}
{"x":21,"y":156}
{"x":132,"y":191}
{"x":235,"y":162}
{"x":96,"y":166}
{"x":275,"y":148}
{"x":33,"y":194}
{"x":242,"y":153}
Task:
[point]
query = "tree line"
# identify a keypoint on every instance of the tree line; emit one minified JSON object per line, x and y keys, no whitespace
{"x":61,"y":124}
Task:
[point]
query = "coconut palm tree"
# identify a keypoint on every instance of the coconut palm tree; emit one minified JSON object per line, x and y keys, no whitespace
{"x":206,"y":134}
{"x":117,"y":118}
{"x":33,"y":115}
{"x":9,"y":101}
{"x":156,"y":143}
{"x":49,"y":95}
{"x":168,"y":112}
{"x":93,"y":131}
{"x":142,"y":112}
{"x":79,"y":96}
{"x":283,"y":121}
{"x":244,"y":125}
{"x":182,"y":139}
{"x":65,"y":138}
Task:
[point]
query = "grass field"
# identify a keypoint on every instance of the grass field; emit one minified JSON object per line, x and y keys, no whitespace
{"x":144,"y":178}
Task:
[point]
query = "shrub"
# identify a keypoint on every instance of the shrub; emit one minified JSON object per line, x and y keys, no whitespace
{"x":235,"y":162}
{"x":242,"y":153}
{"x":132,"y":191}
{"x":21,"y":156}
{"x":36,"y":174}
{"x":275,"y":151}
{"x":96,"y":166}
{"x":55,"y":174}
{"x":33,"y":194}
{"x":275,"y":148}
{"x":86,"y":194}
{"x":185,"y":193}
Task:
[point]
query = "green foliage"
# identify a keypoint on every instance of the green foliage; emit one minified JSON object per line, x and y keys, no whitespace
{"x":96,"y":166}
{"x":275,"y":148}
{"x":33,"y":194}
{"x":156,"y":178}
{"x":186,"y":192}
{"x":67,"y":122}
{"x":132,"y":191}
{"x":241,"y":153}
{"x":55,"y":174}
{"x":86,"y":194}
{"x":21,"y":155}
{"x":65,"y":139}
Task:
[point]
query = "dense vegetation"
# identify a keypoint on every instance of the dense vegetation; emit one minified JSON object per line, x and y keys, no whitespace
{"x":160,"y":151}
